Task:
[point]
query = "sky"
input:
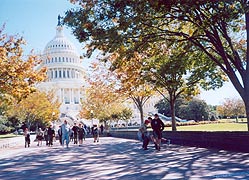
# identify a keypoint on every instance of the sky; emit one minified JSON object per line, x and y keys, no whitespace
{"x":36,"y":21}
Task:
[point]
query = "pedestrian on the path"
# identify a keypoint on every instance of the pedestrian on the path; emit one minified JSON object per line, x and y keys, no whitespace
{"x":65,"y":132}
{"x":95,"y":132}
{"x":81,"y":134}
{"x":24,"y":126}
{"x":71,"y":134}
{"x":39,"y":137}
{"x":27,"y":137}
{"x":101,"y":129}
{"x":145,"y":134}
{"x":46,"y":135}
{"x":86,"y":131}
{"x":51,"y":135}
{"x":60,"y":135}
{"x":157,"y":125}
{"x":75,"y":133}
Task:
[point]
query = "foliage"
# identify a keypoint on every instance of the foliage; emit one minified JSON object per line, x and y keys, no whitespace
{"x":4,"y":128}
{"x":37,"y":109}
{"x":102,"y":98}
{"x":163,"y":107}
{"x":129,"y":72}
{"x":17,"y":76}
{"x":218,"y":28}
{"x":198,"y":110}
{"x":165,"y":64}
{"x":231,"y":108}
{"x":174,"y":73}
{"x":193,"y":109}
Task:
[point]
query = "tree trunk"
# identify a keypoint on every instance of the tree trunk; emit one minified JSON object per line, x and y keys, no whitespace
{"x":141,"y":113}
{"x":247,"y":113}
{"x":173,"y":117}
{"x":245,"y":95}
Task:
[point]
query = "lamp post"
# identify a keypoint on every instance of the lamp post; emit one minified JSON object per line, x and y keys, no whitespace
{"x":91,"y":113}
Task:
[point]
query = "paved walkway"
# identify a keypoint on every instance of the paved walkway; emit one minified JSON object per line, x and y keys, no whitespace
{"x":114,"y":158}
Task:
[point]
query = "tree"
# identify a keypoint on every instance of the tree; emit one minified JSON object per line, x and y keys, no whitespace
{"x":132,"y":84}
{"x":126,"y":114}
{"x":179,"y":72}
{"x":193,"y":109}
{"x":198,"y":110}
{"x":102,"y":99}
{"x":37,"y":109}
{"x":218,"y":28}
{"x":232,"y":108}
{"x":4,"y":128}
{"x":117,"y":35}
{"x":18,"y":77}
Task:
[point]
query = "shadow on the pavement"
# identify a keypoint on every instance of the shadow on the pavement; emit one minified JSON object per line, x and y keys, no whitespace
{"x":114,"y":158}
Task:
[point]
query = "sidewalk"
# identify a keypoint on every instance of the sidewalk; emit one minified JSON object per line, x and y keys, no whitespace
{"x":6,"y":143}
{"x":116,"y":158}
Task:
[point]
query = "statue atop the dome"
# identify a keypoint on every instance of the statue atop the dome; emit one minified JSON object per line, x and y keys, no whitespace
{"x":59,"y":21}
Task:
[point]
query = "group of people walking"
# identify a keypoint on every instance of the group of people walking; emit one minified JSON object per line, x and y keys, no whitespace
{"x":157,"y":126}
{"x":77,"y":132}
{"x":48,"y":135}
{"x":66,"y":133}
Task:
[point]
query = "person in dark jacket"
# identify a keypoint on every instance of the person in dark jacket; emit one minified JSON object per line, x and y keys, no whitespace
{"x":95,"y":132}
{"x":24,"y":126}
{"x":60,"y":135}
{"x":157,"y":125}
{"x":75,"y":133}
{"x":51,"y":135}
{"x":81,"y":134}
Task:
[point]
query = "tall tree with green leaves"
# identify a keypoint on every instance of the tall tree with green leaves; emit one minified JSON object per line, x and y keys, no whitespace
{"x":194,"y":109}
{"x":218,"y":28}
{"x":179,"y":72}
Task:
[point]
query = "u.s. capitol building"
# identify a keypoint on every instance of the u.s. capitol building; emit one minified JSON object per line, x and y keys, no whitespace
{"x":65,"y":73}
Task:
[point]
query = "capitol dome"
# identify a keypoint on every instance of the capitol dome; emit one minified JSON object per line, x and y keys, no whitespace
{"x":65,"y":73}
{"x":60,"y":43}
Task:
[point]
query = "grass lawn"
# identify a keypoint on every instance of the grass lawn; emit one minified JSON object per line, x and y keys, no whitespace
{"x":214,"y":127}
{"x":7,"y":135}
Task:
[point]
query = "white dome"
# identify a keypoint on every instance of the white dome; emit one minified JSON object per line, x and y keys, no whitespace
{"x":60,"y":44}
{"x":65,"y":73}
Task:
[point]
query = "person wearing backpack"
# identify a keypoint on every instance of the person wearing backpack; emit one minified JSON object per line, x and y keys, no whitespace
{"x":157,"y":125}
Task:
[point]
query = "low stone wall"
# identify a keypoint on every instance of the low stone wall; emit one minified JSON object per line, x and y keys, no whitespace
{"x":232,"y":141}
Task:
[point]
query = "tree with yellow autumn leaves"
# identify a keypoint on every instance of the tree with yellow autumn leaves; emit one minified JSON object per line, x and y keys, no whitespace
{"x":102,"y":101}
{"x":38,"y":109}
{"x":18,"y":76}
